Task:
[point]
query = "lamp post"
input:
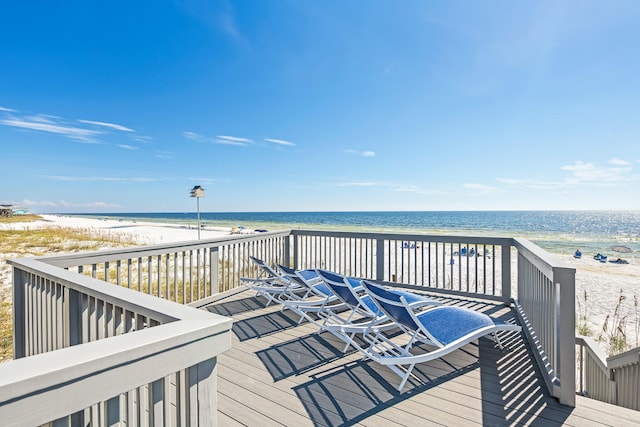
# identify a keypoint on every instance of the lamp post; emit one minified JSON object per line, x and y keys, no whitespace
{"x":197,"y":192}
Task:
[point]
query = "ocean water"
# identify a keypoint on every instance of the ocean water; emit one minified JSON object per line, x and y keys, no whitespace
{"x":560,"y":232}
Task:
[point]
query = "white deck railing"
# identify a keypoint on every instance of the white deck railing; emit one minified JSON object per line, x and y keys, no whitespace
{"x":92,"y":353}
{"x":62,"y":303}
{"x":613,"y":379}
{"x":463,"y":265}
{"x":545,"y":304}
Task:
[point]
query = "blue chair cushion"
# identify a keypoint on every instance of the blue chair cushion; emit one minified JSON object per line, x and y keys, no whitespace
{"x":410,"y":297}
{"x":447,"y":324}
{"x":371,"y":305}
{"x":322,"y":288}
{"x":308,"y":274}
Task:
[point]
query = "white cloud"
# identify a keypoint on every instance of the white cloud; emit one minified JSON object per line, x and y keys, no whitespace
{"x":358,"y":184}
{"x":280,"y":141}
{"x":142,"y":138}
{"x":127,"y":147}
{"x":101,"y":178}
{"x":538,"y":184}
{"x":45,"y":123}
{"x":27,"y":202}
{"x":89,"y":131}
{"x":232,"y":140}
{"x":49,"y":204}
{"x":619,"y":162}
{"x":194,"y":136}
{"x":164,"y":155}
{"x":410,"y":188}
{"x":88,"y":205}
{"x":588,"y":173}
{"x":580,"y":173}
{"x":209,"y":180}
{"x":107,"y":125}
{"x":220,"y":139}
{"x":479,"y":189}
{"x":366,"y":153}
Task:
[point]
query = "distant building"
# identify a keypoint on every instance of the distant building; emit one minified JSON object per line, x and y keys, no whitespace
{"x":6,"y":210}
{"x":11,"y":210}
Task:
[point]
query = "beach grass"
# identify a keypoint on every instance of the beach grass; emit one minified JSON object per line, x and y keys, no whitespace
{"x":39,"y":242}
{"x":50,"y":240}
{"x":6,"y":330}
{"x":582,"y":315}
{"x":614,"y":334}
{"x":19,"y":218}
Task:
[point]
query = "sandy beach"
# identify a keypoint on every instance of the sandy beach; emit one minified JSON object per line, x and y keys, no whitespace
{"x":603,"y":282}
{"x":144,"y":233}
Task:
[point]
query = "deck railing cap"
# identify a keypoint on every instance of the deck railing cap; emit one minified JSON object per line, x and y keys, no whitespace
{"x":30,"y":374}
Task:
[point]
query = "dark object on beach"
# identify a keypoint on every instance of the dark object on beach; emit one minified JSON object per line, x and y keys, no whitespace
{"x":260,"y":231}
{"x":619,"y":261}
{"x":623,"y":249}
{"x":600,"y":257}
{"x":578,"y":254}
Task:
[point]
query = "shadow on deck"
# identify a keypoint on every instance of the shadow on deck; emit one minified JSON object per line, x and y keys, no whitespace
{"x":282,"y":373}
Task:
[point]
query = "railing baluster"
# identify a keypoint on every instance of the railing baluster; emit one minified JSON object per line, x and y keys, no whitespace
{"x":198,"y":274}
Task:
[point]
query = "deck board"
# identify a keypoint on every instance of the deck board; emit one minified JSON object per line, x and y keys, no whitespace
{"x":282,"y":373}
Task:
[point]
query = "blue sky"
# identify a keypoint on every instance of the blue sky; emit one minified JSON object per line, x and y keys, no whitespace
{"x":124,"y":106}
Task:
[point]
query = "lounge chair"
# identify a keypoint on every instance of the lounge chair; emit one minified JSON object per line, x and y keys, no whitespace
{"x":272,"y":285}
{"x":445,"y":327}
{"x":318,"y":298}
{"x":364,"y":316}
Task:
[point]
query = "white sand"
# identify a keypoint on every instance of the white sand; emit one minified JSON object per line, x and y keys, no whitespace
{"x":601,"y":281}
{"x":144,"y":233}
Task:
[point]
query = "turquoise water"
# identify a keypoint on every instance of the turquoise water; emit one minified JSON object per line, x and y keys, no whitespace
{"x":559,"y":232}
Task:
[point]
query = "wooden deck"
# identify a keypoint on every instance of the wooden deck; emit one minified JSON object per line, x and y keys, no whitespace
{"x":282,"y":373}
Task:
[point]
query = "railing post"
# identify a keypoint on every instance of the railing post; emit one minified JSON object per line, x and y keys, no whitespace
{"x":564,"y":280}
{"x":380,"y":259}
{"x":19,"y":314}
{"x":506,"y":272}
{"x":203,"y":398}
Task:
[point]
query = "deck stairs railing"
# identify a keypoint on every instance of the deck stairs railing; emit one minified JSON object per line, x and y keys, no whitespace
{"x":614,"y":379}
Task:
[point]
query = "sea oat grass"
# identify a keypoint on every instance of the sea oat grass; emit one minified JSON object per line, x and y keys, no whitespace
{"x":50,"y":240}
{"x":39,"y":242}
{"x":614,"y":329}
{"x":582,"y":323}
{"x":19,"y":218}
{"x":6,"y":328}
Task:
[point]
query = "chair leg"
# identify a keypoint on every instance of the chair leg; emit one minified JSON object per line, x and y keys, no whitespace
{"x":346,"y":347}
{"x":406,"y":376}
{"x":497,"y":340}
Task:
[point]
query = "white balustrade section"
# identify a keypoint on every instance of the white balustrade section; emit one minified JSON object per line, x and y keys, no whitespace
{"x":461,"y":265}
{"x":76,"y":301}
{"x":90,"y":352}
